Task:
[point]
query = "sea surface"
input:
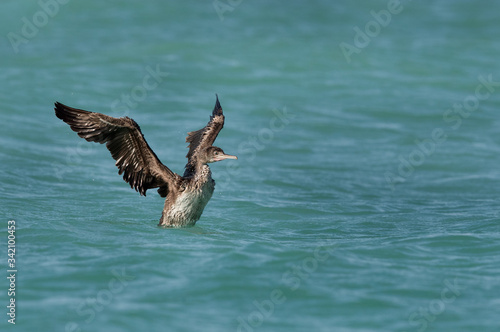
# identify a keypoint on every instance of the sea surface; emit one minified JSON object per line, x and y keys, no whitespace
{"x":366,"y":196}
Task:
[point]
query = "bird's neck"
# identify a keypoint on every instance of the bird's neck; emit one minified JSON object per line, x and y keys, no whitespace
{"x":195,"y":167}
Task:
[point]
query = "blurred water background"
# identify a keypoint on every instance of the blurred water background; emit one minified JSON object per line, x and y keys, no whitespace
{"x":365,"y":196}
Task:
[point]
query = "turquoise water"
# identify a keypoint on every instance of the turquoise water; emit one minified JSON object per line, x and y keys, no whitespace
{"x":365,"y":196}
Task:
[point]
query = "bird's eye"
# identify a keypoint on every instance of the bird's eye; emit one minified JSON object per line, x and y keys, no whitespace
{"x":216,"y":152}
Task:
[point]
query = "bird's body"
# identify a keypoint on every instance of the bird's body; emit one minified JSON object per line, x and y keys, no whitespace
{"x":185,"y":196}
{"x":185,"y":206}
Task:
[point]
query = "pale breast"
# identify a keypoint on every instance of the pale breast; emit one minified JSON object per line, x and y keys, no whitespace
{"x":190,"y":203}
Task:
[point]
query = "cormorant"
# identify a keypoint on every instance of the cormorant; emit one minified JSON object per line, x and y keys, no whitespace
{"x":187,"y":195}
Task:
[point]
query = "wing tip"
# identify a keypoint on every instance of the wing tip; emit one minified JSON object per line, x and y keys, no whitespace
{"x":59,"y":109}
{"x":217,"y":107}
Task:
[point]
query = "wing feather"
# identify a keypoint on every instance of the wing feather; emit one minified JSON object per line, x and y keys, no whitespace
{"x":139,"y":165}
{"x":206,"y":136}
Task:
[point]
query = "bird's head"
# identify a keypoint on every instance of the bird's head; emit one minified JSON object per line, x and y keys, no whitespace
{"x":214,"y":153}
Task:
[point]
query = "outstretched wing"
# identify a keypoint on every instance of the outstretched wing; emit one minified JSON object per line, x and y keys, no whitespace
{"x":206,"y":136}
{"x":140,"y":166}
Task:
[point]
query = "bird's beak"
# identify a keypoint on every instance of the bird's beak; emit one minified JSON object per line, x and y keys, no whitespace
{"x":225,"y":156}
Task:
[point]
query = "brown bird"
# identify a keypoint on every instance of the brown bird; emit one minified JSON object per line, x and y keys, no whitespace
{"x":187,"y":195}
